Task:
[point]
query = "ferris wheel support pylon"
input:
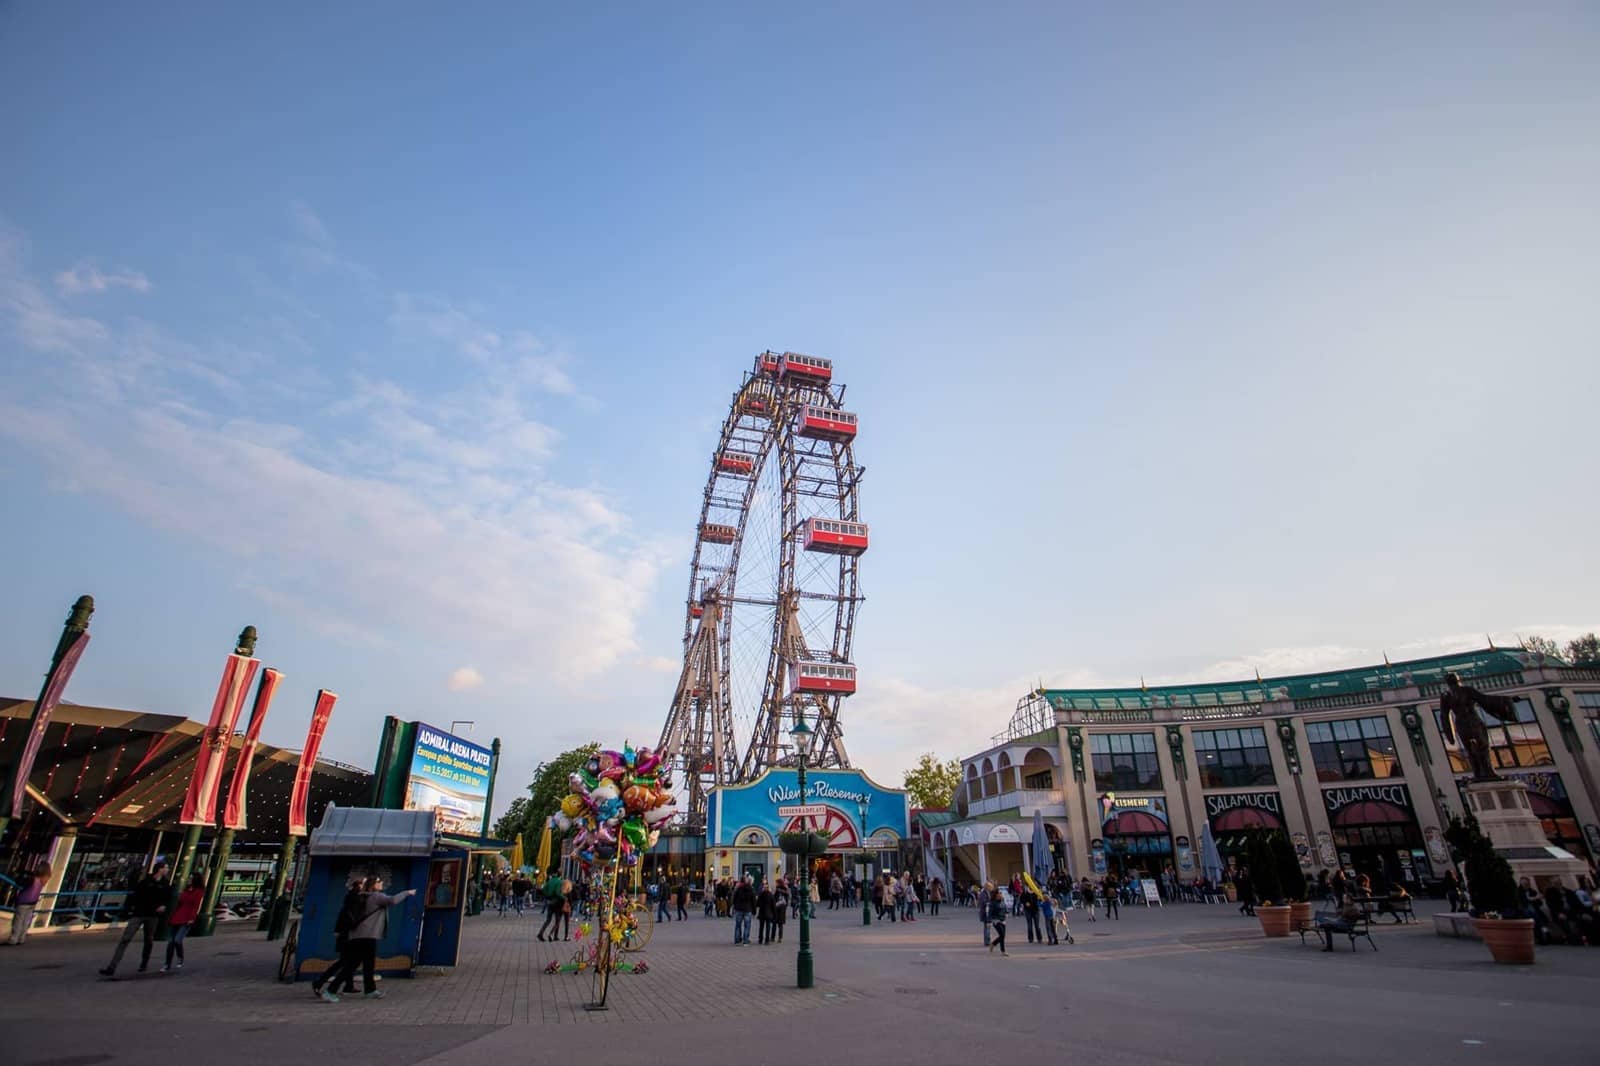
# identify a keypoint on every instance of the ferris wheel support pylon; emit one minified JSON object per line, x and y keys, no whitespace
{"x":697,"y":741}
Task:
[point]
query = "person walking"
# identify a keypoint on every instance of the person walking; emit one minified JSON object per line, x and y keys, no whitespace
{"x":1086,"y":890}
{"x":997,"y":918}
{"x":936,"y":895}
{"x":183,"y":916}
{"x":835,"y":891}
{"x":663,"y":901}
{"x":765,"y":932}
{"x":1247,"y":892}
{"x":912,"y":899}
{"x":553,"y":901}
{"x":372,"y":927}
{"x":1030,"y":913}
{"x":27,"y":902}
{"x":681,"y":894}
{"x":982,"y":899}
{"x":1047,"y":914}
{"x":350,"y":913}
{"x":780,"y":906}
{"x":146,"y":904}
{"x":1112,"y":892}
{"x":921,"y":885}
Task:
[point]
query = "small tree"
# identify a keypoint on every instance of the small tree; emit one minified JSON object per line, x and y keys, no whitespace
{"x":1291,"y":879}
{"x":1543,"y":647}
{"x":1491,"y":885}
{"x":1584,"y":651}
{"x":932,"y":783}
{"x":1263,"y":866}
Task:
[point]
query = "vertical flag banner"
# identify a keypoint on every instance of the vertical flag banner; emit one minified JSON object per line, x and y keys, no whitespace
{"x":42,"y":711}
{"x":308,"y":762}
{"x":200,"y":803}
{"x":233,"y":811}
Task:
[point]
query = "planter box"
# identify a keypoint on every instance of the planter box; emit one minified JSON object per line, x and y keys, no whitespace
{"x":1510,"y":940}
{"x":1299,"y":916}
{"x":1275,"y":921}
{"x":1456,"y":924}
{"x":803,"y":843}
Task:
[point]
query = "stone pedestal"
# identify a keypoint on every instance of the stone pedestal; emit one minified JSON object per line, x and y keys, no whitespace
{"x":1507,"y":819}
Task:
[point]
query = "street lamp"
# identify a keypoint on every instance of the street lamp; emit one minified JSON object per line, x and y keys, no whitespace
{"x":866,"y":867}
{"x":802,"y":737}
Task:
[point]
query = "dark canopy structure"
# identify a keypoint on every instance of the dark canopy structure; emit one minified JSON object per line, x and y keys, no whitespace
{"x":100,"y":767}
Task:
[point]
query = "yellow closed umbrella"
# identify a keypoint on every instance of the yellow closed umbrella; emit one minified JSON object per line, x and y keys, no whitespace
{"x":544,"y":849}
{"x":516,"y":854}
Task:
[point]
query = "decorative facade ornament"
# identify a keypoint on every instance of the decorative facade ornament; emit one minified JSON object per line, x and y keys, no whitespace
{"x":1175,"y":745}
{"x":1075,"y":744}
{"x":1291,"y":750}
{"x":1412,"y":720}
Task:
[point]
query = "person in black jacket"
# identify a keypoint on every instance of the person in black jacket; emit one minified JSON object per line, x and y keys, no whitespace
{"x":146,"y":904}
{"x":767,"y":934}
{"x":744,"y":904}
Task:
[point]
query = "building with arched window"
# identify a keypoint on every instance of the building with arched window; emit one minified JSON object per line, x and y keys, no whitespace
{"x":1350,"y":764}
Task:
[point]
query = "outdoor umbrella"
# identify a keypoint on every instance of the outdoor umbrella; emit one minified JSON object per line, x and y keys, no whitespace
{"x":1043,"y":864}
{"x":516,"y":854}
{"x":543,"y":861}
{"x":1210,"y":857}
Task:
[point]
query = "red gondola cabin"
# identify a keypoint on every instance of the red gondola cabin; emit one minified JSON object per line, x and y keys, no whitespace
{"x":767,"y":363}
{"x":837,"y":679}
{"x":809,"y":367}
{"x":736,"y":463}
{"x":697,"y":610}
{"x":718,"y":534}
{"x":834,"y":537}
{"x":825,"y":423}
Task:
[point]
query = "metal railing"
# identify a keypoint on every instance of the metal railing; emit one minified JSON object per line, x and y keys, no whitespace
{"x":85,"y":908}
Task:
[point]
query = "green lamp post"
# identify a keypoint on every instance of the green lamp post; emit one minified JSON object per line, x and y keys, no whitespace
{"x":865,"y":892}
{"x":804,"y":975}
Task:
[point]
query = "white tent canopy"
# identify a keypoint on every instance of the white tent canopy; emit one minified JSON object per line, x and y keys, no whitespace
{"x":367,"y":831}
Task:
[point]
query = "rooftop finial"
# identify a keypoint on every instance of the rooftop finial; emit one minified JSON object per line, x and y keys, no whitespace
{"x":247,"y":641}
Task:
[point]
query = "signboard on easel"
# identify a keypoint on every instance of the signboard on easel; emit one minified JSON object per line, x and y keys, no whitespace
{"x":1151,"y":896}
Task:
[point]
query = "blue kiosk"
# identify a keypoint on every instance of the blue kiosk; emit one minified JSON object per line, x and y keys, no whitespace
{"x":402,"y":847}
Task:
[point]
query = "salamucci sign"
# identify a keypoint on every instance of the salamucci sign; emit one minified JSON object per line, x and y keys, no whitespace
{"x":1262,"y":801}
{"x":1337,"y":799}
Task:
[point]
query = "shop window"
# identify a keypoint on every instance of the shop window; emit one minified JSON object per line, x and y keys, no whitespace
{"x":1233,"y":758}
{"x":1125,"y":762}
{"x":1511,"y":745}
{"x":1589,"y":704}
{"x":1353,"y":749}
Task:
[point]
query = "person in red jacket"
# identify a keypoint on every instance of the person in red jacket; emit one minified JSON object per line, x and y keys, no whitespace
{"x":183,"y":916}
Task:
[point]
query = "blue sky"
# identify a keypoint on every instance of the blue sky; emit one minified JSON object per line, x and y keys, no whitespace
{"x":1186,"y":342}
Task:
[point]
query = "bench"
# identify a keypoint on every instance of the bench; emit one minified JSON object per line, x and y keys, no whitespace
{"x":1360,"y":927}
{"x":1399,"y":909}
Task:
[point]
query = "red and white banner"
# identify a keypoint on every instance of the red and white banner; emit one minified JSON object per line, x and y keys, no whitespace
{"x":308,"y":762}
{"x":42,"y":711}
{"x":233,"y":810}
{"x":200,"y":804}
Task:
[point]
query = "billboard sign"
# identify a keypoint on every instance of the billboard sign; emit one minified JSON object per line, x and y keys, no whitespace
{"x":451,"y":777}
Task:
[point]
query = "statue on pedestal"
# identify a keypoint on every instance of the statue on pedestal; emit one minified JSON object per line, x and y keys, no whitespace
{"x":1458,"y":717}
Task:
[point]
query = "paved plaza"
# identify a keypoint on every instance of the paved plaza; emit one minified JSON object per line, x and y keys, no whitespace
{"x":1183,"y":984}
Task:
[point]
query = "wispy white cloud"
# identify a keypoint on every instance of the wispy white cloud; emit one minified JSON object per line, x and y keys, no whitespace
{"x":375,"y":509}
{"x":517,"y":352}
{"x":463,"y":679}
{"x":86,"y":277}
{"x":312,"y":247}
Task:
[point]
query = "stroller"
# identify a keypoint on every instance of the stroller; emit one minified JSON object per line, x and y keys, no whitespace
{"x":1065,"y":926}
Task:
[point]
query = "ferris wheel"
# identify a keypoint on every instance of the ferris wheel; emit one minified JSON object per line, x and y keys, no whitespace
{"x":774,"y":583}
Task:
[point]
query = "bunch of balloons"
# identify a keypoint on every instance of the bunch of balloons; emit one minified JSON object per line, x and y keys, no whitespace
{"x":618,"y":804}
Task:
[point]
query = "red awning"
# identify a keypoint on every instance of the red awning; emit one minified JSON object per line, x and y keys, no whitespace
{"x":1125,"y":822}
{"x":1371,"y":812}
{"x":1245,"y":818}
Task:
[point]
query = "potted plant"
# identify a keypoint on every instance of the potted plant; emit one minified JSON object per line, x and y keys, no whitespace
{"x":1292,"y":881}
{"x":1496,"y":905}
{"x":1271,"y":911}
{"x":804,"y":843}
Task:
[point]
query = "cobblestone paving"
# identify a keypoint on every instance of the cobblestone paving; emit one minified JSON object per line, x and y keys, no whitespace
{"x":1193,"y":984}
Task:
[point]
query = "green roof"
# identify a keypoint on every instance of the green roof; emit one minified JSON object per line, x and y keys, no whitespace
{"x":1485,"y":663}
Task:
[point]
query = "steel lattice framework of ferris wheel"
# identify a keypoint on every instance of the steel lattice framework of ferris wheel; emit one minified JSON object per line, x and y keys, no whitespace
{"x":774,"y":585}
